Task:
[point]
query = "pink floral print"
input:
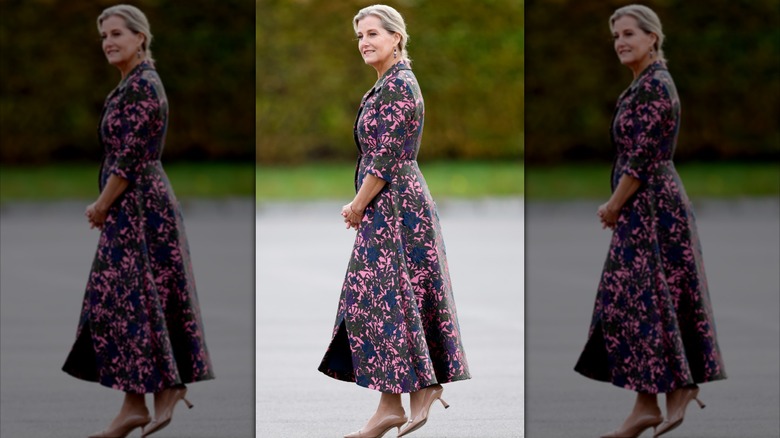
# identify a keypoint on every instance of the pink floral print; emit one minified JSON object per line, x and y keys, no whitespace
{"x":140,"y":329}
{"x":652,"y":329}
{"x":396,"y":328}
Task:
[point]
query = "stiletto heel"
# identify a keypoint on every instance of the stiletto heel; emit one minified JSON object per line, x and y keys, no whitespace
{"x":432,"y":393}
{"x":164,"y":418}
{"x":675,"y":419}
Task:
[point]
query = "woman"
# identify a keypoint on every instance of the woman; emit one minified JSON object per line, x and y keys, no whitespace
{"x":396,"y":328}
{"x":140,"y":329}
{"x":652,"y":329}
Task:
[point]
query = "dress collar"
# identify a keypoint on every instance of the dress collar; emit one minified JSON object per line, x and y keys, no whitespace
{"x":392,"y":71}
{"x":136,"y":71}
{"x":647,"y":72}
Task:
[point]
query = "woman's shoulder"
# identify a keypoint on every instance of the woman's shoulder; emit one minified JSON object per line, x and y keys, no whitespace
{"x":653,"y":84}
{"x":656,"y":74}
{"x":146,"y":85}
{"x":402,"y":81}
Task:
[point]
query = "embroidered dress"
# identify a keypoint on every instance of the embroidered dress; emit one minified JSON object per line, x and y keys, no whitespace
{"x":140,"y":329}
{"x":396,"y":327}
{"x":652,"y":328}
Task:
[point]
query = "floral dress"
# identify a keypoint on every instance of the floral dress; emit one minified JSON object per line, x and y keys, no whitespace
{"x":140,"y":329}
{"x":652,"y":328}
{"x":396,"y":328}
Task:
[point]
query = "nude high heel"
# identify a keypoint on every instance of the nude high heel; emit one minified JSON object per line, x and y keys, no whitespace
{"x":432,"y":393}
{"x":124,"y":428}
{"x":381,"y":428}
{"x":636,"y":428}
{"x":164,"y":418}
{"x":674,"y":419}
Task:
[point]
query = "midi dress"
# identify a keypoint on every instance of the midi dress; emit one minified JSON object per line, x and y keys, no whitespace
{"x":140,"y":328}
{"x":396,"y":327}
{"x":652,"y":328}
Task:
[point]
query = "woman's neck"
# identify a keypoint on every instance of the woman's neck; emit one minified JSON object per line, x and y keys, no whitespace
{"x":129,"y":66}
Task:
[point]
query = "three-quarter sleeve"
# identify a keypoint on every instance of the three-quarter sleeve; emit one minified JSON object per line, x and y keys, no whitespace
{"x":651,"y":109}
{"x":137,"y":116}
{"x":394,"y":116}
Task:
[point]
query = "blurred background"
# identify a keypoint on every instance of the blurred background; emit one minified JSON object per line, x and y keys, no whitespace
{"x":54,"y":79}
{"x":724,"y":57}
{"x":467,"y":56}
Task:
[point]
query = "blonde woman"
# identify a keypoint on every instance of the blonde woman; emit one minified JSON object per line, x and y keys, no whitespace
{"x":396,"y":328}
{"x":140,"y":329}
{"x":652,"y":329}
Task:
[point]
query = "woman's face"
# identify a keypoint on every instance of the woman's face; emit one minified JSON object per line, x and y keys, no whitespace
{"x":375,"y":43}
{"x":120,"y":44}
{"x":632,"y":44}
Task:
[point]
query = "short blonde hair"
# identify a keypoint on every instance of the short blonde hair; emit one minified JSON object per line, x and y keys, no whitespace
{"x":135,"y":20}
{"x":647,"y":20}
{"x":391,"y":20}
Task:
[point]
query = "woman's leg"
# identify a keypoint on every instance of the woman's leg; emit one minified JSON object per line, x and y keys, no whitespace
{"x":646,"y":414}
{"x":677,"y":400}
{"x":420,"y":403}
{"x":389,"y":404}
{"x":134,"y":404}
{"x":132,"y":415}
{"x":645,"y":404}
{"x":164,"y":403}
{"x":676,"y":403}
{"x":417,"y":400}
{"x":389,"y":414}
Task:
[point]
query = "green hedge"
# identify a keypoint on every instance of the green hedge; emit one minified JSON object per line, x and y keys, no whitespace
{"x":723,"y":55}
{"x":467,"y":55}
{"x":55,"y":77}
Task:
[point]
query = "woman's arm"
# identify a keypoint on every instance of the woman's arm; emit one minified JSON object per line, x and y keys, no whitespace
{"x":353,"y":212}
{"x":609,"y":211}
{"x":96,"y":212}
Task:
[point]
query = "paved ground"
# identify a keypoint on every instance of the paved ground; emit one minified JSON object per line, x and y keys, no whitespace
{"x":302,"y":255}
{"x":46,"y":252}
{"x":303,"y":252}
{"x":565,"y":250}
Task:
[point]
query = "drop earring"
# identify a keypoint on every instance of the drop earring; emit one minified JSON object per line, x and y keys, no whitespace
{"x":138,"y":53}
{"x":395,"y":53}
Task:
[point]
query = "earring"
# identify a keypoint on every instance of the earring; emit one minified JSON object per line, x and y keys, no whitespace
{"x":138,"y":53}
{"x":652,"y":53}
{"x":395,"y":53}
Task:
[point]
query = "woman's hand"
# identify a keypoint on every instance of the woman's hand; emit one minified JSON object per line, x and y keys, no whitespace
{"x":352,"y":215}
{"x":97,"y":211}
{"x":608,"y":215}
{"x":609,"y":211}
{"x":96,"y":215}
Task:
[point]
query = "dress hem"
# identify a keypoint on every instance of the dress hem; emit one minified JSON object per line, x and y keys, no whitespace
{"x":631,"y":388}
{"x":435,"y":382}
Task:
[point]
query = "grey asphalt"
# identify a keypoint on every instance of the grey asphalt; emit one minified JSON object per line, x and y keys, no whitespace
{"x":45,"y":255}
{"x":303,"y":250}
{"x":565,"y":250}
